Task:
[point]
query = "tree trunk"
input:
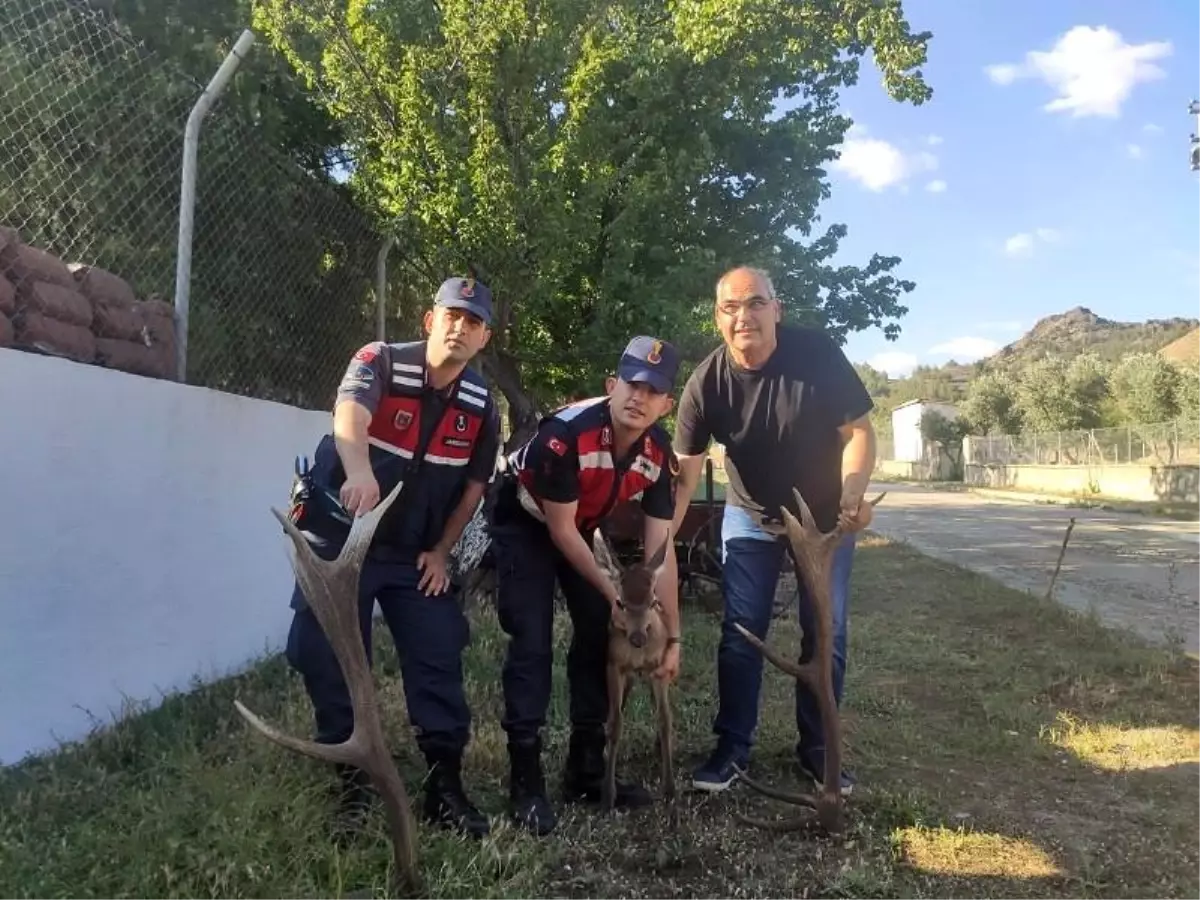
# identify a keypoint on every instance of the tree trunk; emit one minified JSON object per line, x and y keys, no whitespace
{"x":522,"y":414}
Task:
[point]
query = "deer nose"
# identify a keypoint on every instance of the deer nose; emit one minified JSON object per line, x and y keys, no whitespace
{"x":638,"y":639}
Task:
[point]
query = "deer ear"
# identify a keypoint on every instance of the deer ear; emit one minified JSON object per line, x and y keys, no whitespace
{"x":658,"y":562}
{"x":604,"y":557}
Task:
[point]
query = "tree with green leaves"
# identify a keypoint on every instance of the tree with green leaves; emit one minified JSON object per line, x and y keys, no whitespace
{"x":991,"y":405}
{"x":1056,"y":395}
{"x":600,"y":163}
{"x":1088,"y":375}
{"x":876,"y":382}
{"x":1187,"y":392}
{"x":1145,"y":387}
{"x":947,"y":433}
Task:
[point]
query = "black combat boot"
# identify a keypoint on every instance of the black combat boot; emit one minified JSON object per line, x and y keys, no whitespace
{"x":583,"y":775}
{"x":446,"y":803}
{"x":527,"y":802}
{"x":354,"y":795}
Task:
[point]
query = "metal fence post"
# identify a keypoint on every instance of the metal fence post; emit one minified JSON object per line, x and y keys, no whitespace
{"x":187,"y":191}
{"x":381,"y":288}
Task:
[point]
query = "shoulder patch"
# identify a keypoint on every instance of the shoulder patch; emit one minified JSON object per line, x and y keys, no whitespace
{"x":557,"y":446}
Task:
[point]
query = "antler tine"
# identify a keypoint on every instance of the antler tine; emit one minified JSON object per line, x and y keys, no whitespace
{"x":331,"y":589}
{"x":807,"y":800}
{"x":773,"y":656}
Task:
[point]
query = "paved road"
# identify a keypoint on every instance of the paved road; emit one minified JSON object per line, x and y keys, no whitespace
{"x":1135,"y":571}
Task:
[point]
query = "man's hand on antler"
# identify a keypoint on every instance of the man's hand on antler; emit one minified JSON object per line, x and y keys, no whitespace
{"x":855,"y":513}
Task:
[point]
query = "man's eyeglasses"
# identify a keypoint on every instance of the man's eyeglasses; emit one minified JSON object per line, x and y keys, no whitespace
{"x":754,"y":306}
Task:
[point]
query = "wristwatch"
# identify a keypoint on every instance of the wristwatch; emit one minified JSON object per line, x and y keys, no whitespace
{"x":674,"y":639}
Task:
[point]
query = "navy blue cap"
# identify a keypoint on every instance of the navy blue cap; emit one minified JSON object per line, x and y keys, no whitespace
{"x":650,"y":360}
{"x":466,"y":293}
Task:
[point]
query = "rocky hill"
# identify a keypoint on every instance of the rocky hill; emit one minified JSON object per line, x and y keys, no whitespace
{"x":1078,"y":330}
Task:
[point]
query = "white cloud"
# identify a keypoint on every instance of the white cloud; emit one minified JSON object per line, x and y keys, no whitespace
{"x":877,"y":164}
{"x":965,"y":349}
{"x":1135,"y":151}
{"x":1019,"y":244}
{"x":933,"y":140}
{"x":1092,"y":70}
{"x":896,"y":363}
{"x":937,"y":186}
{"x":1023,"y":243}
{"x":1004,"y":73}
{"x":1151,"y":128}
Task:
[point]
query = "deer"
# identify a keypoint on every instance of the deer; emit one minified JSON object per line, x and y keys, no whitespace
{"x":331,"y":589}
{"x":637,"y":642}
{"x":812,"y":555}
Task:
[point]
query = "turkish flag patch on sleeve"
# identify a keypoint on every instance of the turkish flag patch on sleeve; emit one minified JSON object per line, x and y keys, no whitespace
{"x":557,"y":446}
{"x":366,"y":354}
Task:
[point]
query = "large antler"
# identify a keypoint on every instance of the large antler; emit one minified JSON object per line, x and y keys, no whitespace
{"x":331,"y":589}
{"x":812,"y":553}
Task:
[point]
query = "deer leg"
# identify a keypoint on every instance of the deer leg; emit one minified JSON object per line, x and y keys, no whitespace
{"x":616,"y":703}
{"x":661,"y":692}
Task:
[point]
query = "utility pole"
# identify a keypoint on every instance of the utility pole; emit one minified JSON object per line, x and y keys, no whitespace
{"x":1194,"y":110}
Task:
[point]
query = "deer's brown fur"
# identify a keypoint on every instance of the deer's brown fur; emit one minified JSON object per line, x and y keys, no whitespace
{"x":812,"y":554}
{"x":331,"y":589}
{"x":637,"y":643}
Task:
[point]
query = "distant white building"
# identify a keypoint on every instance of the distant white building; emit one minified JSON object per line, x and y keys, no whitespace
{"x":907,"y":443}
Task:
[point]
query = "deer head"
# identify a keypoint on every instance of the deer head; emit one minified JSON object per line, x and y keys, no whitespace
{"x":633,"y":615}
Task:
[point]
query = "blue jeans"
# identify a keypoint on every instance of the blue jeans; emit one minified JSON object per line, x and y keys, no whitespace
{"x":752,"y":561}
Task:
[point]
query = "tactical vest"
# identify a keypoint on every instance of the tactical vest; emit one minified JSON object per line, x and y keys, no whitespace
{"x":433,"y":482}
{"x":603,"y":483}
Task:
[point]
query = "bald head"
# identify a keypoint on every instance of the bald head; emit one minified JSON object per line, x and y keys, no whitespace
{"x":747,"y":312}
{"x":746,"y":280}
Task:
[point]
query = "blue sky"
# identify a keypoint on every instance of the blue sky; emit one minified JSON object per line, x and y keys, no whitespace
{"x":1049,"y":170}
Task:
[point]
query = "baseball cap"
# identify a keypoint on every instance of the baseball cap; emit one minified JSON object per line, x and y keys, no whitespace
{"x":650,"y":360}
{"x":466,"y":293}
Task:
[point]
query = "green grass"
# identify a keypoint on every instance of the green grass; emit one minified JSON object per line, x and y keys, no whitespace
{"x":1004,"y":746}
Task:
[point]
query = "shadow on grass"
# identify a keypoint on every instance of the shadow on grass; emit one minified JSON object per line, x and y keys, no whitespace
{"x":1004,"y":747}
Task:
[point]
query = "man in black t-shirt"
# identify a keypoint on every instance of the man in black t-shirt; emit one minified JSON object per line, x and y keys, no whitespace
{"x":791,"y":412}
{"x":584,"y":459}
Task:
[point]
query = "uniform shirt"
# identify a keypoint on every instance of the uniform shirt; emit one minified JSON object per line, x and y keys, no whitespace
{"x":406,"y":528}
{"x":778,"y":424}
{"x":552,"y":463}
{"x":367,"y":378}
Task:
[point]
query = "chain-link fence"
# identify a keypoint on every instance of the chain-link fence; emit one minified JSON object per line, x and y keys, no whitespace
{"x":1164,"y":443}
{"x":91,"y":143}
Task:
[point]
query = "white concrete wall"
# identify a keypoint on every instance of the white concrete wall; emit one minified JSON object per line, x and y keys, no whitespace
{"x":907,"y":445}
{"x":118,"y":578}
